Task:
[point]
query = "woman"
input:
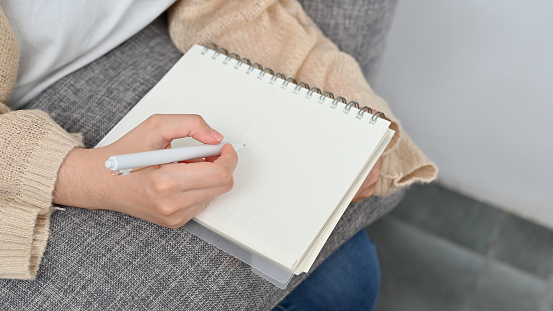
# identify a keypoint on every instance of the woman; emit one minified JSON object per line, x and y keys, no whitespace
{"x":147,"y":265}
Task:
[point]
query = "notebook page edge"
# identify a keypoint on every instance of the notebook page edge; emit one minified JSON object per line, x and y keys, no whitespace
{"x":305,"y":263}
{"x":271,"y":254}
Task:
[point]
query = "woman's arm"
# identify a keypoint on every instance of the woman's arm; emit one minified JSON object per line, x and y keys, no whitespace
{"x":32,"y":148}
{"x":40,"y":164}
{"x":280,"y":35}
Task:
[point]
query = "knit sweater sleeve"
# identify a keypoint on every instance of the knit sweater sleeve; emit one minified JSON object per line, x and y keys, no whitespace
{"x":32,"y":148}
{"x":280,"y":35}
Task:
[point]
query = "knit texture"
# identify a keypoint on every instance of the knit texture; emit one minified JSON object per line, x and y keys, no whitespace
{"x":32,"y":148}
{"x":31,"y":156}
{"x":9,"y":61}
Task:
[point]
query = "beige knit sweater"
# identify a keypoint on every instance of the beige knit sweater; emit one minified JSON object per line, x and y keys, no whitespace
{"x":275,"y":33}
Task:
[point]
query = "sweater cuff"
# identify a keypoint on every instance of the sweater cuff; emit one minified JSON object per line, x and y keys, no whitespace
{"x":39,"y":180}
{"x":24,"y":233}
{"x":25,"y":216}
{"x":402,"y":166}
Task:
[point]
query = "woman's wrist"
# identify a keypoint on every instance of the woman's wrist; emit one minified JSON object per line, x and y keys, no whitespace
{"x":82,"y":180}
{"x":169,"y":195}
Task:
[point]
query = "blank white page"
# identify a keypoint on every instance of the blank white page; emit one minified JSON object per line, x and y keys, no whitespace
{"x":301,"y":156}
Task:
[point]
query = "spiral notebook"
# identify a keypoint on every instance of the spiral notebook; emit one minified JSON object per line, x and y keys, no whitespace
{"x":306,"y":153}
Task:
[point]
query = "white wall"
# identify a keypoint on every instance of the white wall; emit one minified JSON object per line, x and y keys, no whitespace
{"x":472,"y":83}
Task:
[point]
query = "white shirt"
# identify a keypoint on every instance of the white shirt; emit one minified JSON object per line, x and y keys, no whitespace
{"x":57,"y":37}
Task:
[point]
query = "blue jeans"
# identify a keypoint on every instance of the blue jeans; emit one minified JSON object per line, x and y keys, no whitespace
{"x":348,"y":280}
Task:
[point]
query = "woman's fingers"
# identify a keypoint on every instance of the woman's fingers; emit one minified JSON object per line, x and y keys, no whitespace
{"x":174,"y":193}
{"x":178,"y":219}
{"x":369,"y":185}
{"x":159,"y":130}
{"x":177,"y":192}
{"x":176,"y":212}
{"x":179,"y":177}
{"x":173,"y":126}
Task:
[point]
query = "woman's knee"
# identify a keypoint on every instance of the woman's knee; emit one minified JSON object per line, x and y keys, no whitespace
{"x":348,"y":280}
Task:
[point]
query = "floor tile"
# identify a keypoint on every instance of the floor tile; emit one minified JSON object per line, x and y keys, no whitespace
{"x":547,"y":304}
{"x":450,"y":215}
{"x":420,"y":271}
{"x":525,"y":245}
{"x":504,"y":288}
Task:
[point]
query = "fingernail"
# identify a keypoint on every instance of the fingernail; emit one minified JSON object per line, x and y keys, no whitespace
{"x":216,"y":135}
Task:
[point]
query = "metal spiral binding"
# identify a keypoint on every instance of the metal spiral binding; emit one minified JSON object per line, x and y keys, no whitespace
{"x":313,"y":90}
{"x":262,"y":73}
{"x":286,"y":82}
{"x":209,"y":46}
{"x":325,"y":95}
{"x":231,"y":56}
{"x":335,"y":102}
{"x":347,"y":108}
{"x":362,"y":111}
{"x":253,"y":66}
{"x":276,"y":76}
{"x":298,"y":87}
{"x":375,"y":117}
{"x":242,"y":61}
{"x":218,"y":52}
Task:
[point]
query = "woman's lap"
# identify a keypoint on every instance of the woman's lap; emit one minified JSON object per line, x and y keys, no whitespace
{"x":347,"y":280}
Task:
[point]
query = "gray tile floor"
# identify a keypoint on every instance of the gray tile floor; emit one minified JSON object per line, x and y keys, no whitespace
{"x":440,"y":250}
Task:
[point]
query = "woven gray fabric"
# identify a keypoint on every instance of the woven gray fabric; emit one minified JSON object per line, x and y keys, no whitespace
{"x":358,"y":27}
{"x":98,"y":260}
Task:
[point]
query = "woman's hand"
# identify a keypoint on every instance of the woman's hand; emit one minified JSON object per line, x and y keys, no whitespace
{"x":369,"y":185}
{"x":168,"y":196}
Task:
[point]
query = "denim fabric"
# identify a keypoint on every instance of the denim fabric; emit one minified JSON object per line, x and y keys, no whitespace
{"x":348,"y":280}
{"x":98,"y":260}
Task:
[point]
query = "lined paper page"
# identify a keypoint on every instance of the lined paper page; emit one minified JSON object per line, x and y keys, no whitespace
{"x":300,"y":159}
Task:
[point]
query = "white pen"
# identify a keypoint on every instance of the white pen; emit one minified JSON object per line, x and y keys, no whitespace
{"x":124,"y":164}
